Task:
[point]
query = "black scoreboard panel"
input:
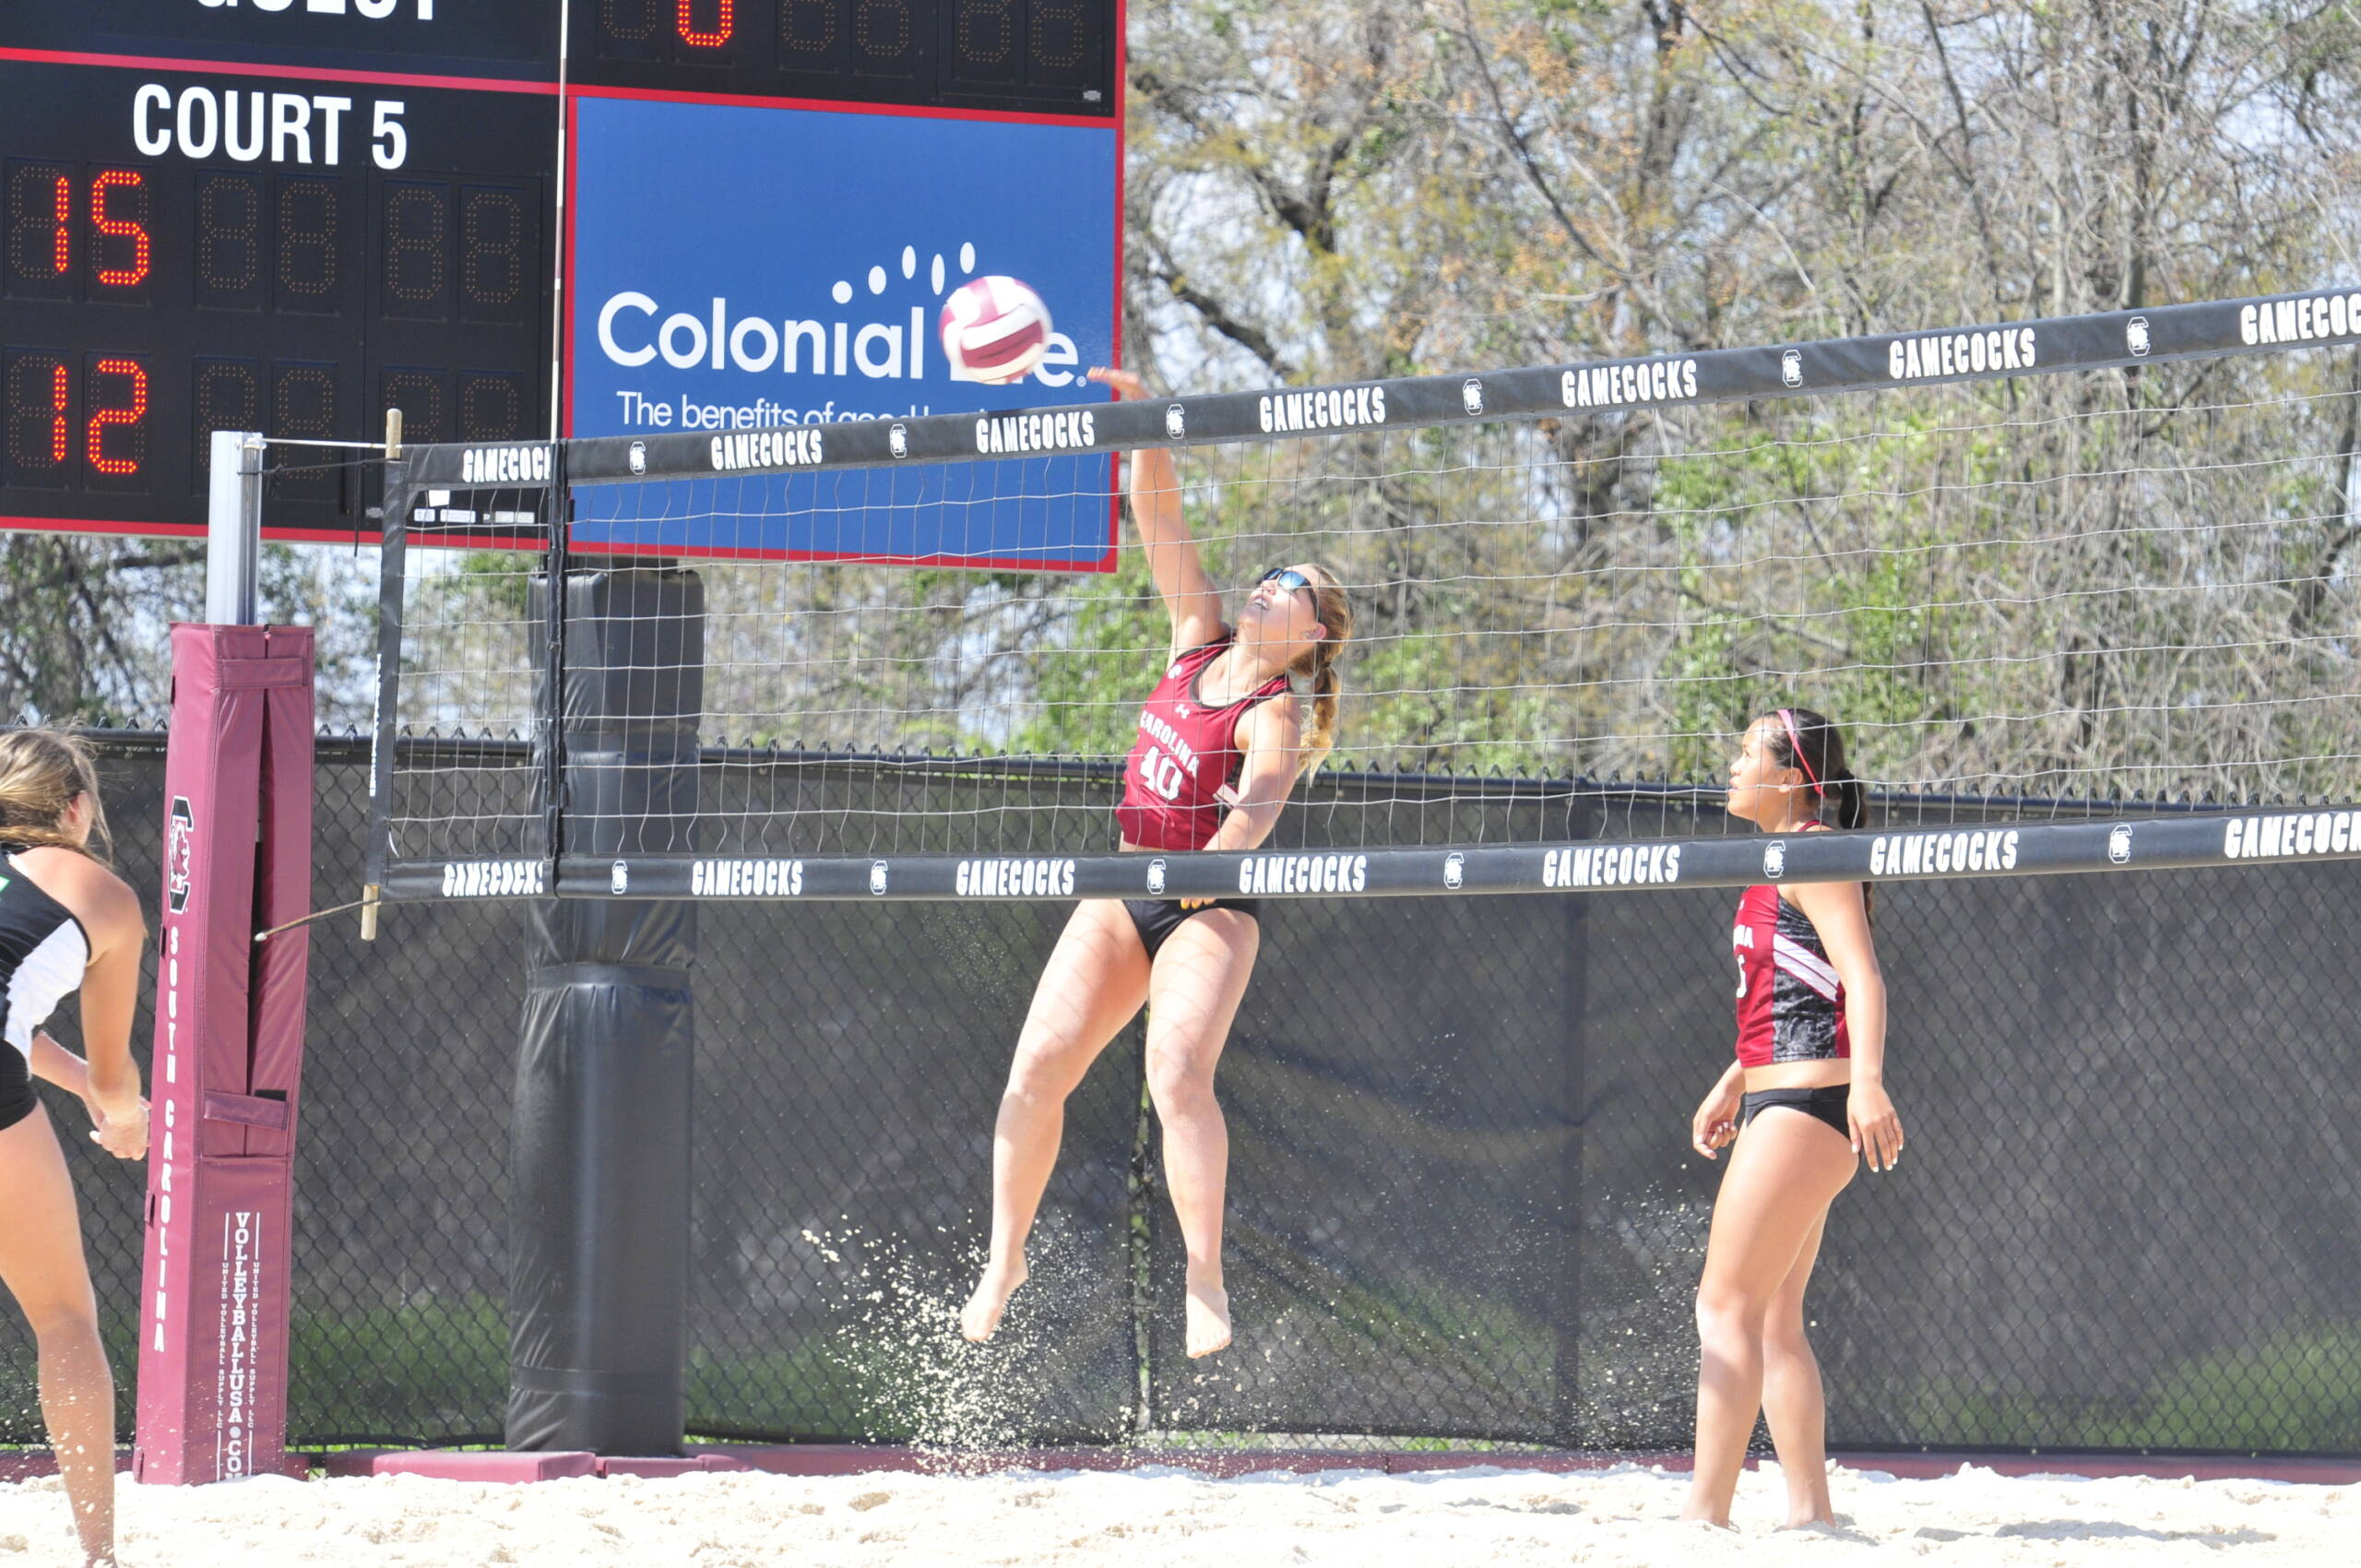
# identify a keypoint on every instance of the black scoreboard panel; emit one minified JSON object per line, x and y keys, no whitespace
{"x":512,"y":39}
{"x":1038,"y":56}
{"x":182,"y":252}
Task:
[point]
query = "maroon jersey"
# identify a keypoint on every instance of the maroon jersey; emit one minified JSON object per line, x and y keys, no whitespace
{"x":1790,"y":1004}
{"x":1186,"y":754}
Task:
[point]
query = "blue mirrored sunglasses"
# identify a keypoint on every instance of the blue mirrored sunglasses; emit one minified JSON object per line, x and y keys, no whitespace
{"x":1286,"y":577}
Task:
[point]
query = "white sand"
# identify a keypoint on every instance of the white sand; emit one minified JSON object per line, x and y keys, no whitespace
{"x":1355,"y":1519}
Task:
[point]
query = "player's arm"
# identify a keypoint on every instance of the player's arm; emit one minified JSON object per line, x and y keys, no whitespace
{"x":1270,"y":738}
{"x":1172,"y":562}
{"x":1841,"y":914}
{"x":53,"y":1063}
{"x":1716,"y":1121}
{"x":110,"y":919}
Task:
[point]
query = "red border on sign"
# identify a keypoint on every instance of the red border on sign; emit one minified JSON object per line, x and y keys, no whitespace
{"x":837,"y":106}
{"x":850,"y":557}
{"x":248,"y":68}
{"x":570,"y":95}
{"x":1105,"y":563}
{"x":367,"y":539}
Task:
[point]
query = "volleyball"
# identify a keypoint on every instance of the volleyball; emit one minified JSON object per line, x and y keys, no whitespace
{"x":994,"y":329}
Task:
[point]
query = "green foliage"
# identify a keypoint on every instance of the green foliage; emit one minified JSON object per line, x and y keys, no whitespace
{"x":441,"y":1360}
{"x":2298,"y":1392}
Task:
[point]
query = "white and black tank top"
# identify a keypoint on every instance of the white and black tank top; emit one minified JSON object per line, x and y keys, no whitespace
{"x":43,"y":953}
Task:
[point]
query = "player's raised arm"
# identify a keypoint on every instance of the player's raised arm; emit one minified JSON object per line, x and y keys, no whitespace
{"x":1155,"y":488}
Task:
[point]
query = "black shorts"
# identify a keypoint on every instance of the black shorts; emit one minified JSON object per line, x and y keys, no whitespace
{"x":16,"y":1097}
{"x":1828,"y":1104}
{"x":1159,"y":918}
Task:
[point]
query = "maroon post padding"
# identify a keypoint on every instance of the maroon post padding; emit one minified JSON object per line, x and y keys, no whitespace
{"x":228,"y":1050}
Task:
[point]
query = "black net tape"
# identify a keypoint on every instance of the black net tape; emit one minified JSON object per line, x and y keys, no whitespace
{"x":1462,"y":1205}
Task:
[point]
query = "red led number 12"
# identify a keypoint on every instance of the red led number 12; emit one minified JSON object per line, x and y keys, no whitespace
{"x":94,"y":447}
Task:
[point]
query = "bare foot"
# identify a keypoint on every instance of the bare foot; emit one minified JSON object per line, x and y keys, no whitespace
{"x":979,"y":1319}
{"x":1810,"y":1522}
{"x":1208,"y":1314}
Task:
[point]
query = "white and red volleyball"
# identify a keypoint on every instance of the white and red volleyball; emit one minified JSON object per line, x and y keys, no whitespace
{"x":994,"y":330}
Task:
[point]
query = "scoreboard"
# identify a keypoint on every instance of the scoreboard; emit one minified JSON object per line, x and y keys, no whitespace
{"x":291,"y":215}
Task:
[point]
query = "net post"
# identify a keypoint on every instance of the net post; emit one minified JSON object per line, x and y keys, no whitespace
{"x":233,"y":528}
{"x":393,"y":529}
{"x":214,"y":1298}
{"x":599,"y":1135}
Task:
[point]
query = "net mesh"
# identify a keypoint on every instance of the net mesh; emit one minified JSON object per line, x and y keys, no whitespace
{"x":2103,"y":584}
{"x":1462,"y":1202}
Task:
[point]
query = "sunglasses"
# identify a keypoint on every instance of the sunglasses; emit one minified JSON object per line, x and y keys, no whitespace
{"x":1286,"y":577}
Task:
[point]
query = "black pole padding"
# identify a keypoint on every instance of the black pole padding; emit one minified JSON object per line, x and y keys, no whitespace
{"x":599,"y":1157}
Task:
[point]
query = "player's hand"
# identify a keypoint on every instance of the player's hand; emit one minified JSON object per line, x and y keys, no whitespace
{"x":123,"y":1133}
{"x":1716,"y":1124}
{"x":1126,"y":383}
{"x":1877,"y":1127}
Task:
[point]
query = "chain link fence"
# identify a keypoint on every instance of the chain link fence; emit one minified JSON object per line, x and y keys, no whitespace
{"x":1462,"y":1203}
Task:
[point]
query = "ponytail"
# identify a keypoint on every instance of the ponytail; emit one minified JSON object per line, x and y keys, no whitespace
{"x":1320,"y":662}
{"x":1850,"y":799}
{"x":1327,"y":690}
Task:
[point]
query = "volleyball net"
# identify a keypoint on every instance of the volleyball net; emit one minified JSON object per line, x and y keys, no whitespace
{"x":2078,"y":592}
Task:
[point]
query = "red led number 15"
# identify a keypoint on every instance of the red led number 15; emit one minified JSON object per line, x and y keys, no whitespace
{"x":130,"y":262}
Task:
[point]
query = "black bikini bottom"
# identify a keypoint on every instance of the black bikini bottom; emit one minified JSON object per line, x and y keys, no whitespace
{"x":1828,"y":1104}
{"x":1159,"y":918}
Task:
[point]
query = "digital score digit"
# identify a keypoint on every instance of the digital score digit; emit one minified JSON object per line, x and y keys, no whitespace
{"x":186,"y":251}
{"x":1033,"y":56}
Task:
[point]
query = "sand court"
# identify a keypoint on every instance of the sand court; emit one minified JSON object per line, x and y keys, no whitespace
{"x":1158,"y":1516}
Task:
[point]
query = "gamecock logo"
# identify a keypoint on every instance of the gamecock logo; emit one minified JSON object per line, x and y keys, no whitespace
{"x":180,"y":854}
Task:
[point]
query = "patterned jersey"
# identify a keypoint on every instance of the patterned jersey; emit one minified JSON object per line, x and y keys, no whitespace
{"x":43,"y":953}
{"x":1790,"y":1004}
{"x":1186,"y":754}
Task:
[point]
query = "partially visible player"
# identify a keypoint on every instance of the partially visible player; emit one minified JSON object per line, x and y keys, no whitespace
{"x":1805,"y":1100}
{"x":1220,"y":730}
{"x":66,"y":923}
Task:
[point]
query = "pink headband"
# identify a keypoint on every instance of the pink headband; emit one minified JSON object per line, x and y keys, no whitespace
{"x":1796,"y":740}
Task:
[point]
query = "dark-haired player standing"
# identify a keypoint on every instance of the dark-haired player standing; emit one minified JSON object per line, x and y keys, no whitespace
{"x":1803,"y":1103}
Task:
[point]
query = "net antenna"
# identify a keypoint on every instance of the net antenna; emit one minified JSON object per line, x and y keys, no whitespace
{"x":233,"y":528}
{"x":2070,"y":588}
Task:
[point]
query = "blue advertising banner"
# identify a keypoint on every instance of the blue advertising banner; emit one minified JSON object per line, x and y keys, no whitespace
{"x":737,"y":265}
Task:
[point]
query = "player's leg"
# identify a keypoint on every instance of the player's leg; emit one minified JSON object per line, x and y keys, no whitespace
{"x":1793,"y":1404}
{"x":1784,"y":1170}
{"x":42,"y":1263}
{"x":1200,"y":976}
{"x":1092,"y":986}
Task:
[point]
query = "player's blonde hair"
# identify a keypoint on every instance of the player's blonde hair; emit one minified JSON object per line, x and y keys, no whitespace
{"x":1319,"y":663}
{"x":40,"y":772}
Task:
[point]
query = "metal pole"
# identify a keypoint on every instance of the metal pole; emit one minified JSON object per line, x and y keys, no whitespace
{"x":234,"y":528}
{"x":393,"y":527}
